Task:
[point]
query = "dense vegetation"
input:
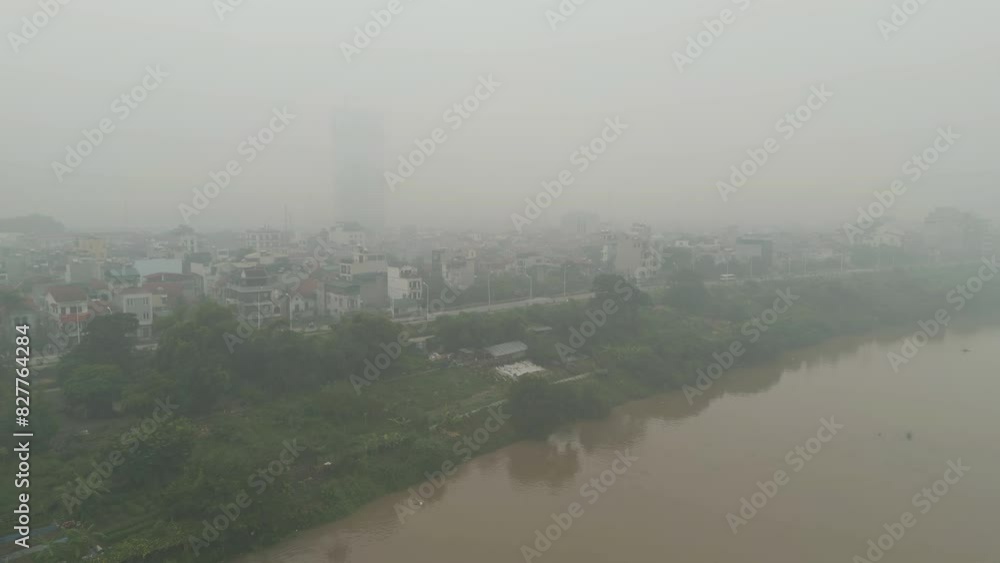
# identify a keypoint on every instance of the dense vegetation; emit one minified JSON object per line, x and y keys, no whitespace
{"x":195,"y":422}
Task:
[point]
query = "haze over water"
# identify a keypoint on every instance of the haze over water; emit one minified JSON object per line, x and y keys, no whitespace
{"x":696,"y":462}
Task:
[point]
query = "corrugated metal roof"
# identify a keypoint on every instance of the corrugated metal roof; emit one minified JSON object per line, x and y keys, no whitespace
{"x":507,"y":348}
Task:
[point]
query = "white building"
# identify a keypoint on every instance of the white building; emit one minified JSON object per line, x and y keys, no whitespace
{"x":405,"y":283}
{"x":885,"y":236}
{"x":363,"y":262}
{"x":340,"y":297}
{"x":263,"y":240}
{"x":65,"y":303}
{"x":138,"y":302}
{"x":346,"y":233}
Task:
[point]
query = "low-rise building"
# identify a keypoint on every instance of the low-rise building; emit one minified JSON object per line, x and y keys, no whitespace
{"x":347,"y":233}
{"x":341,"y":297}
{"x":252,"y":292}
{"x":140,"y":303}
{"x":405,"y":283}
{"x":67,"y":306}
{"x":363,"y":262}
{"x":264,"y":240}
{"x":506,"y":352}
{"x":305,"y":299}
{"x":93,"y":247}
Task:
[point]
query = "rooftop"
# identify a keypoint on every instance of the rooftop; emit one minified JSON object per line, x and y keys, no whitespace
{"x":507,"y":348}
{"x":67,"y":293}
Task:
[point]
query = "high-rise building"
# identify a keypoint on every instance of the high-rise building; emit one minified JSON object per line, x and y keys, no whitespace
{"x":359,"y":176}
{"x":580,"y":223}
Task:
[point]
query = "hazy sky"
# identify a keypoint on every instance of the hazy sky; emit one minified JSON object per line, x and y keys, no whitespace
{"x":612,"y":58}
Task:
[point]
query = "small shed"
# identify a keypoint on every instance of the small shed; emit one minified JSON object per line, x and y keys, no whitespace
{"x":507,"y":351}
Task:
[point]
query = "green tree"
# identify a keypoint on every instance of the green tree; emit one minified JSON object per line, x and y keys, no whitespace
{"x":687,"y":292}
{"x":107,"y":340}
{"x":93,"y":389}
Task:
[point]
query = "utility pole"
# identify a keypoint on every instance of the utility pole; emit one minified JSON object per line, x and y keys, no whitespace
{"x":427,"y":300}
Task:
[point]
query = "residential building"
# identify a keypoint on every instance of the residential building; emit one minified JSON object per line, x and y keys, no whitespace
{"x":363,"y":262}
{"x":305,"y":300}
{"x":341,"y":297}
{"x":167,"y":297}
{"x":138,"y":302}
{"x":68,"y":308}
{"x":633,"y":256}
{"x":374,"y":289}
{"x":347,"y":233}
{"x":405,"y":283}
{"x":456,"y":268}
{"x":192,"y":284}
{"x":252,"y":292}
{"x":264,"y":240}
{"x":93,"y":247}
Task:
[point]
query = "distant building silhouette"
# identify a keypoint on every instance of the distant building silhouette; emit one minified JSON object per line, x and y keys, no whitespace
{"x":359,"y":183}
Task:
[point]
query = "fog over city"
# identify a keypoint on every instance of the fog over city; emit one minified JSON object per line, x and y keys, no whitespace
{"x":539,"y":281}
{"x":692,"y":112}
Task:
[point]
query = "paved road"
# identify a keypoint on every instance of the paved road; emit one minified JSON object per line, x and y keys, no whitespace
{"x":513,"y":305}
{"x":501,"y":306}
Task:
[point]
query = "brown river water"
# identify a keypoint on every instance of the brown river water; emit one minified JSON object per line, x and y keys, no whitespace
{"x":760,"y":452}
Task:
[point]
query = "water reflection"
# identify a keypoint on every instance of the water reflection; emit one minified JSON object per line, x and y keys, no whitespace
{"x":551,"y":464}
{"x":700,"y":457}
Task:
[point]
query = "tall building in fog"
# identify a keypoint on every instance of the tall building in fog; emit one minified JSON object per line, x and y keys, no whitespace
{"x":359,"y":183}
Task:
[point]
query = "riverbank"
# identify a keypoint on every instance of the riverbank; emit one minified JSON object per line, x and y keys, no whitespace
{"x":358,"y":446}
{"x":697,"y":462}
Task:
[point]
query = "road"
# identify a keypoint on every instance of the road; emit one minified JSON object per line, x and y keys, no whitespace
{"x":511,"y":305}
{"x":501,"y":306}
